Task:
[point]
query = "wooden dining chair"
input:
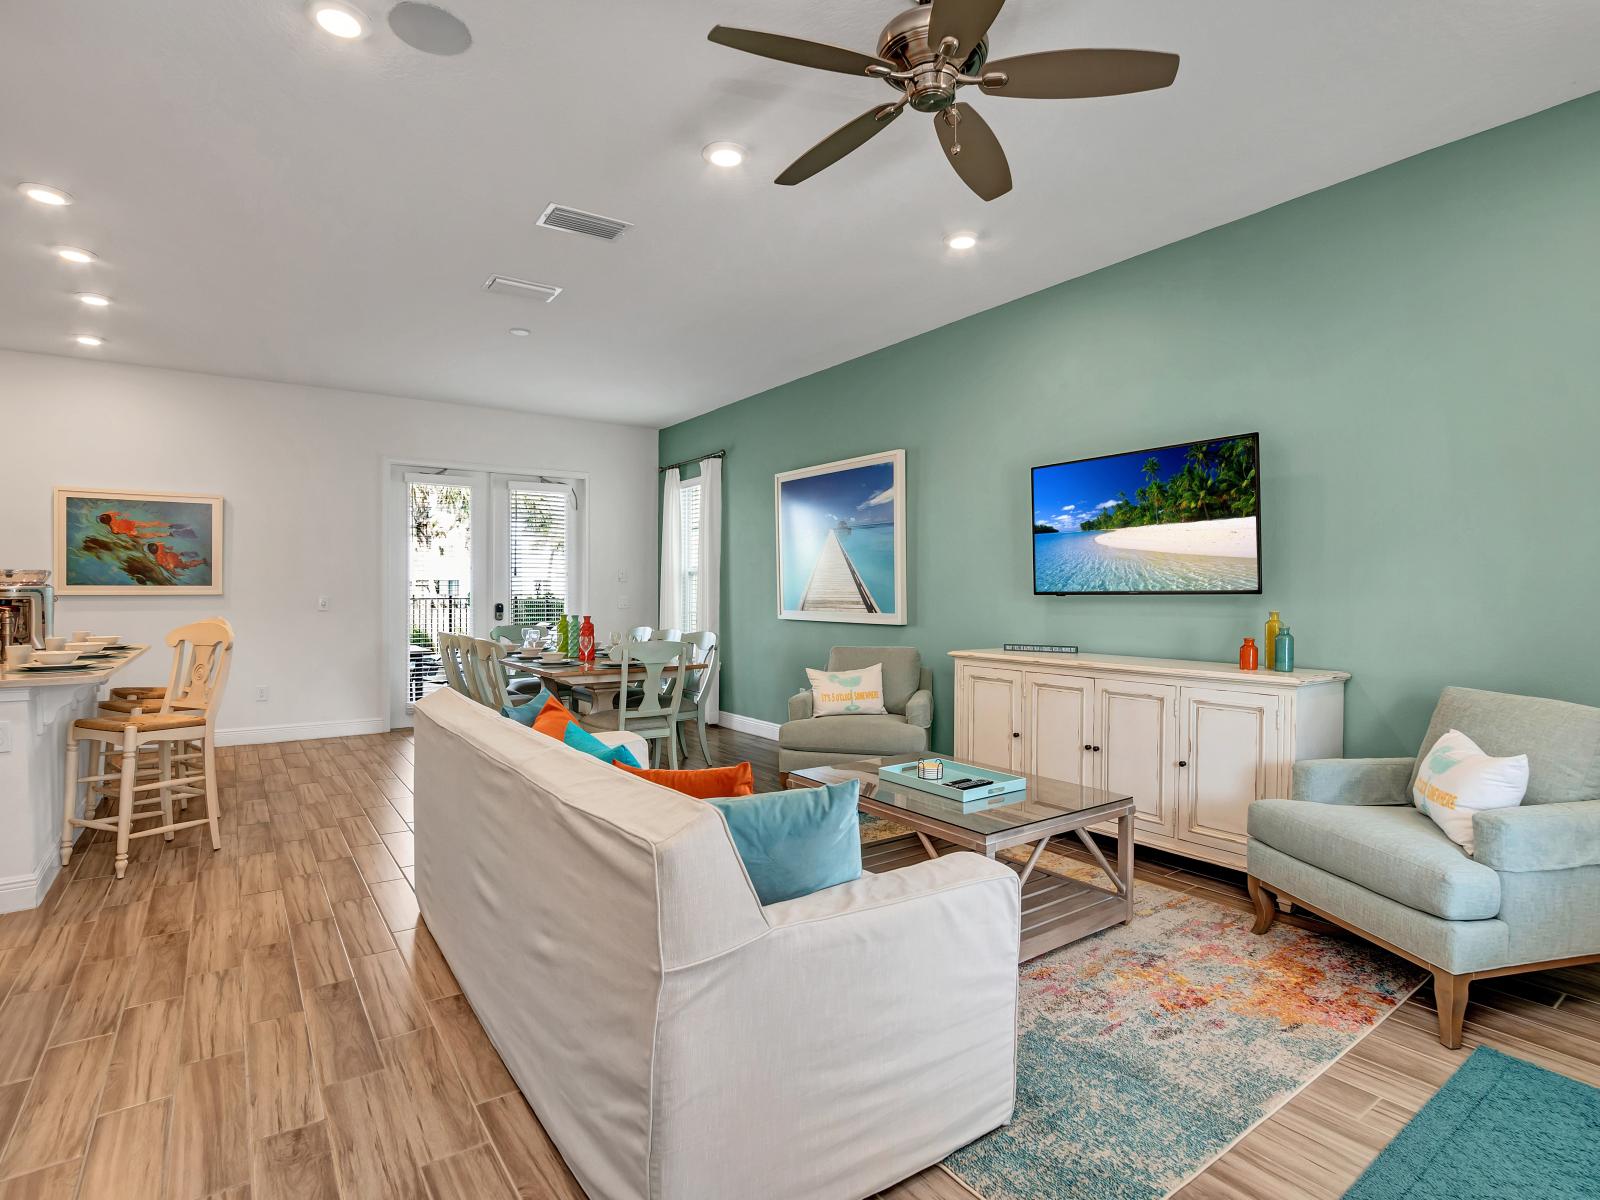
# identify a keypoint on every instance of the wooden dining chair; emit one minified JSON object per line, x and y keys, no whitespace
{"x":666,"y":635}
{"x":640,"y":633}
{"x":697,"y":686}
{"x":183,"y":716}
{"x":489,"y":675}
{"x":655,"y":718}
{"x":453,"y":662}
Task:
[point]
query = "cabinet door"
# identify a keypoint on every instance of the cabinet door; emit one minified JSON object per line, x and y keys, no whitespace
{"x":1134,"y":734}
{"x":989,"y":716}
{"x":1230,"y":741}
{"x":1058,"y":719}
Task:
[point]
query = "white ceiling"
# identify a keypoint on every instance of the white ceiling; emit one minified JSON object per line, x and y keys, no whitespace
{"x":274,"y":204}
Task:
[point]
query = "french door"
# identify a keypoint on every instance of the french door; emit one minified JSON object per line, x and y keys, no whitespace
{"x":469,"y":552}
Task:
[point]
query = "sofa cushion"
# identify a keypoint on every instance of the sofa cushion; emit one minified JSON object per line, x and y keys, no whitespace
{"x":1561,"y":740}
{"x":708,"y":783}
{"x":797,"y":842}
{"x":1394,"y":851}
{"x":902,"y":669}
{"x":867,"y":735}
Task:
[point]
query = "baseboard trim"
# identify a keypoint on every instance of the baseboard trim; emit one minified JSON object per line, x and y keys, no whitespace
{"x":315,"y":731}
{"x":18,"y":892}
{"x":733,"y":721}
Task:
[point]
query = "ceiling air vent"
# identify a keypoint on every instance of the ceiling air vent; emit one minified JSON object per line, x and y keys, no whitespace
{"x":575,"y":220}
{"x":504,"y":285}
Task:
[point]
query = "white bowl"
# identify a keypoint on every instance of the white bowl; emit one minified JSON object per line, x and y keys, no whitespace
{"x":55,"y":658}
{"x":83,"y":647}
{"x":102,"y":640}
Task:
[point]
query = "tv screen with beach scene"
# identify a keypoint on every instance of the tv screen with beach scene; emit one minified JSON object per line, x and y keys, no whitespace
{"x":1176,"y":519}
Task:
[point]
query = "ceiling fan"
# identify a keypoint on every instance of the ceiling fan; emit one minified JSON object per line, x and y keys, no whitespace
{"x":931,"y":51}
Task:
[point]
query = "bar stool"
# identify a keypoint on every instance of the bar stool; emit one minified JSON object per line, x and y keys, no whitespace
{"x":185,"y":715}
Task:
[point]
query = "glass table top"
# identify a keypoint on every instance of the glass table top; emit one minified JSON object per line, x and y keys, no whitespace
{"x":1042,"y":800}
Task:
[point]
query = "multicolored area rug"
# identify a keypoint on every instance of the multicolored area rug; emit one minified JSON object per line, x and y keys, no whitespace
{"x":1146,"y":1051}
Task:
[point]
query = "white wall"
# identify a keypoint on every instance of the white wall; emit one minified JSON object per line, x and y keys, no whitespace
{"x":301,"y":470}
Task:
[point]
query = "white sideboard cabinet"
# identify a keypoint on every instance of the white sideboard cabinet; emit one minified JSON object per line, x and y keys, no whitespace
{"x":1194,"y":743}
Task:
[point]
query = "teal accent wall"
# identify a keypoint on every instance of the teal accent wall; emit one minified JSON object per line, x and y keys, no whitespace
{"x":1420,"y":349}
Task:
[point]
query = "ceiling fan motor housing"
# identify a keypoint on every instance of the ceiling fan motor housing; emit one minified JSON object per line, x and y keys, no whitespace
{"x":904,"y":42}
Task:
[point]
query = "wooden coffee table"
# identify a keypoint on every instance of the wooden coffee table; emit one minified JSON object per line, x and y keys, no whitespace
{"x":1055,"y":909}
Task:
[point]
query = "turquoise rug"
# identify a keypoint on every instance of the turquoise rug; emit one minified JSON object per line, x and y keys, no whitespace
{"x":1146,"y":1051}
{"x":1499,"y":1127}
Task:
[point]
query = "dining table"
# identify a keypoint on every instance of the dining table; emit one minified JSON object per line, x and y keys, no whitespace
{"x":603,"y":677}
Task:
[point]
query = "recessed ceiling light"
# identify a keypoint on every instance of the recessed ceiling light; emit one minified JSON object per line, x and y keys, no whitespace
{"x":342,"y":20}
{"x":44,"y":194}
{"x":89,"y":339}
{"x":73,"y":254}
{"x":519,"y":332}
{"x":723,"y":154}
{"x":961,"y":241}
{"x":94,"y":299}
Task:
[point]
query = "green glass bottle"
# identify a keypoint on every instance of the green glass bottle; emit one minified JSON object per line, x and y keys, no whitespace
{"x":1269,"y":644}
{"x":1283,"y":650}
{"x":561,"y":633}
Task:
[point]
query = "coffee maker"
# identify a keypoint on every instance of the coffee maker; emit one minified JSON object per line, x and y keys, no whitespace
{"x":27,"y":608}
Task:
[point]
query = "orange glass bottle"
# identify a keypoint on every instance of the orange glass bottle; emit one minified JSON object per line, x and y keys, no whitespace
{"x":1249,"y":656}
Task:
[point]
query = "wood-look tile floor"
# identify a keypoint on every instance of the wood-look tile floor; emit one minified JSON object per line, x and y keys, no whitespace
{"x":272,"y":1021}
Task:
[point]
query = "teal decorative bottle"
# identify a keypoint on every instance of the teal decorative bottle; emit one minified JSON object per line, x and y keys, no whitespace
{"x":1283,"y":650}
{"x":573,"y":627}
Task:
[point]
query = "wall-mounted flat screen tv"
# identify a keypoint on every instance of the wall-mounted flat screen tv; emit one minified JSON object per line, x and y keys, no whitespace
{"x":1175,"y":519}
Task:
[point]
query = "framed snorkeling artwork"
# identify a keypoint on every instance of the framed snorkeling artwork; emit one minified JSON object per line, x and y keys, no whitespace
{"x":137,"y":543}
{"x":842,"y":541}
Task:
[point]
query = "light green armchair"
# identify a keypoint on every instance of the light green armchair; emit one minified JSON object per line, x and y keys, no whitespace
{"x":1352,"y":849}
{"x":809,"y":741}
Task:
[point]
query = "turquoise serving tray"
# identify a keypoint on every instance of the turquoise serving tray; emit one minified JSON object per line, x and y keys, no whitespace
{"x":1002,"y":782}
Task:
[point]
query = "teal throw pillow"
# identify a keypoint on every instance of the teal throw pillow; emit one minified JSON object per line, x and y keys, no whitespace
{"x":797,"y":842}
{"x":524,"y":713}
{"x":579,"y":738}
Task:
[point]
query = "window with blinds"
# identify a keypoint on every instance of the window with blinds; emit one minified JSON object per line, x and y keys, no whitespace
{"x":689,"y":539}
{"x":540,"y":544}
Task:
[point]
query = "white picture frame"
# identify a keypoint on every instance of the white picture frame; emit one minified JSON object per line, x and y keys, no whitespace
{"x":841,"y":540}
{"x":152,"y":543}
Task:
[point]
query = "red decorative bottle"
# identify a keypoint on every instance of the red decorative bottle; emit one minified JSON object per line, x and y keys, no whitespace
{"x":1249,"y":656}
{"x":586,"y":641}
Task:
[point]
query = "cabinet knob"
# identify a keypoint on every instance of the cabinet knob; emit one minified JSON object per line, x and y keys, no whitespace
{"x":1183,"y":762}
{"x":1097,"y":749}
{"x":1086,"y":746}
{"x":1015,"y":734}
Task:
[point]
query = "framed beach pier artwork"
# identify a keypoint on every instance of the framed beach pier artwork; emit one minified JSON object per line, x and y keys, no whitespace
{"x":842,"y":541}
{"x":137,"y":543}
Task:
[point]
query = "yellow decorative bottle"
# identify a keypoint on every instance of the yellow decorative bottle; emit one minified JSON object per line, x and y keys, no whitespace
{"x":1270,"y":648}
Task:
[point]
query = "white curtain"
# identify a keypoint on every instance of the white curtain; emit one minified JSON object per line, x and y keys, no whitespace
{"x":670,"y":612}
{"x":711,"y":565}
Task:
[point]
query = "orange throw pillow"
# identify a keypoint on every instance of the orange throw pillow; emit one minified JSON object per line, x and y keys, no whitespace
{"x":553,"y":719}
{"x":714,"y":783}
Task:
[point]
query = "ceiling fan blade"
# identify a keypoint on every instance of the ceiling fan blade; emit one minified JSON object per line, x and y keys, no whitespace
{"x":850,"y":136}
{"x":795,"y":50}
{"x":980,"y":162}
{"x":965,"y":20}
{"x":1079,"y":74}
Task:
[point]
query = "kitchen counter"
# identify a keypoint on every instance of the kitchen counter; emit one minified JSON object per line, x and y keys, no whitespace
{"x":36,"y":710}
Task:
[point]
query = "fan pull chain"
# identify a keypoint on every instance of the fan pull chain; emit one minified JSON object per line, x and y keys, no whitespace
{"x":952,"y":118}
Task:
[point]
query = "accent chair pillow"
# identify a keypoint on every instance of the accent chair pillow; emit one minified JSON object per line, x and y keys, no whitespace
{"x":797,"y":842}
{"x":712,"y":783}
{"x":847,"y":693}
{"x":1457,"y":779}
{"x":555,"y":721}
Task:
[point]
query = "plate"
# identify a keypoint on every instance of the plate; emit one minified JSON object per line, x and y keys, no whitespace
{"x":71,"y":666}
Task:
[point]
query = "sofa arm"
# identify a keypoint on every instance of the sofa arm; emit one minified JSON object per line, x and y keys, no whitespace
{"x":919,"y":709}
{"x":1538,"y":837}
{"x":800,"y":706}
{"x":1353,"y":780}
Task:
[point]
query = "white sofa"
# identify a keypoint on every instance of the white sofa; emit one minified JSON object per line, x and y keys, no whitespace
{"x":678,"y":1040}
